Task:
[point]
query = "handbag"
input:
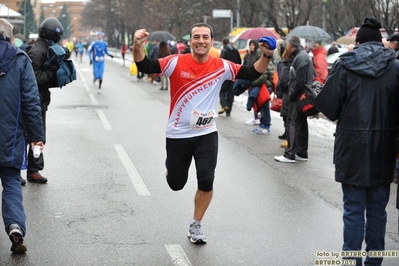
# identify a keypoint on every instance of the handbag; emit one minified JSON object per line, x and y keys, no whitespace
{"x":276,"y":104}
{"x":305,"y":104}
{"x":133,"y":69}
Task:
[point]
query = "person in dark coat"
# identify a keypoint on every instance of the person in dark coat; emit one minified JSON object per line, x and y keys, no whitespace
{"x":20,"y":124}
{"x":361,"y":93}
{"x":283,"y":88}
{"x":50,"y":31}
{"x":297,"y":124}
{"x":333,"y":49}
{"x":226,"y":95}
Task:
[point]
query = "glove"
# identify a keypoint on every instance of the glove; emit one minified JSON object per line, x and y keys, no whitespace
{"x":91,"y":62}
{"x":271,"y":42}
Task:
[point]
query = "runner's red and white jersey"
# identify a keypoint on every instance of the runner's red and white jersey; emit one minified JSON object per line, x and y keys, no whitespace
{"x":194,"y":91}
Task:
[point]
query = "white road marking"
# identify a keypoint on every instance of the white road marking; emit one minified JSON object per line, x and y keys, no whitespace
{"x":104,"y":120}
{"x":178,"y":256}
{"x":87,"y":87}
{"x":93,"y":100}
{"x":79,"y":72}
{"x":132,"y":171}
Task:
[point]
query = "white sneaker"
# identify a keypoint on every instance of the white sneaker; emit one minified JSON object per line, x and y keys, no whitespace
{"x":195,"y":234}
{"x":253,"y":122}
{"x":283,"y":159}
{"x":299,"y":158}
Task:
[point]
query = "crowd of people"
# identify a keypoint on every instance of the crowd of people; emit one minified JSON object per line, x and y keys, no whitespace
{"x":363,"y":98}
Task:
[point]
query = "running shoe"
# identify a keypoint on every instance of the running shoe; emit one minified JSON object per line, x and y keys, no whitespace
{"x":262,"y":131}
{"x":195,"y":234}
{"x":17,"y":239}
{"x":253,"y":122}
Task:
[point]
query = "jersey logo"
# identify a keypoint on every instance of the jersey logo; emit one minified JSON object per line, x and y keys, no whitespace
{"x":187,"y":75}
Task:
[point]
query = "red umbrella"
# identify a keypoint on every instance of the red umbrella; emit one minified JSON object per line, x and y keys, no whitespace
{"x":257,"y":33}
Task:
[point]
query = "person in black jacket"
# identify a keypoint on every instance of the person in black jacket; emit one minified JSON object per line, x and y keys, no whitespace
{"x":226,"y":95}
{"x":297,"y":133}
{"x":361,"y":93}
{"x":50,"y":30}
{"x":282,"y":87}
{"x":21,"y":123}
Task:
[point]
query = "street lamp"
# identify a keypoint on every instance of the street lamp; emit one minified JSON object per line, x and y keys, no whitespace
{"x":324,"y":2}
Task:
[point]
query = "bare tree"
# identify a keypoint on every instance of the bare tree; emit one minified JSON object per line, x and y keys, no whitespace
{"x":176,"y":16}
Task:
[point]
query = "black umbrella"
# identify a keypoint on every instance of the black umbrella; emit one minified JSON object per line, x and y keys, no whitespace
{"x":161,"y":36}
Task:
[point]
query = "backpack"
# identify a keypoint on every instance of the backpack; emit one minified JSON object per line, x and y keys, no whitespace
{"x":66,"y":73}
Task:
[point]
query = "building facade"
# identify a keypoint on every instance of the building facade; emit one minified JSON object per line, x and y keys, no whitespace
{"x":54,"y":8}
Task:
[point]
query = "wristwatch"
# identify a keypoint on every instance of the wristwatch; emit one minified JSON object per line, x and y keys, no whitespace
{"x":268,"y":56}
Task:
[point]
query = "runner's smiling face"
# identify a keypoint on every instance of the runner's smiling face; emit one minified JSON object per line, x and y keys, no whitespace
{"x":201,"y":40}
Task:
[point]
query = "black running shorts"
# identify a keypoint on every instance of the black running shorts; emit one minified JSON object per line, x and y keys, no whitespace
{"x":179,"y":154}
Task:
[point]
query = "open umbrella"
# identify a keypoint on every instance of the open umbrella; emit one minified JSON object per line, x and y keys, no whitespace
{"x":161,"y":36}
{"x":186,"y":37}
{"x":346,"y":40}
{"x":310,"y":33}
{"x":257,"y":33}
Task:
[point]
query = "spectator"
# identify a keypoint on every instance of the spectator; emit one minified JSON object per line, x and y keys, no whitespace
{"x":364,"y":99}
{"x":21,"y":122}
{"x":320,"y":61}
{"x":123,"y":51}
{"x":226,"y":95}
{"x":298,"y":132}
{"x":50,"y":31}
{"x":333,"y":49}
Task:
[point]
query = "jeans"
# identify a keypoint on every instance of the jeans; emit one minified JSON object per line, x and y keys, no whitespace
{"x":265,"y":121}
{"x":357,"y":201}
{"x":12,"y":208}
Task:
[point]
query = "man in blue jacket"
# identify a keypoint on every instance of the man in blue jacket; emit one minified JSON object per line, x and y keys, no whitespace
{"x":20,"y":124}
{"x":362,"y":94}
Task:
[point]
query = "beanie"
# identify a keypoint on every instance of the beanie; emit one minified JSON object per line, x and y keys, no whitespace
{"x":294,"y":40}
{"x":369,"y":31}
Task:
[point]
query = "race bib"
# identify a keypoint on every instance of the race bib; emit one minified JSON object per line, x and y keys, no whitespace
{"x":200,"y":121}
{"x":99,"y":58}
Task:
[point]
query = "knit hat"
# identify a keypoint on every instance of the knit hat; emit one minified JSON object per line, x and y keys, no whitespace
{"x":294,"y":40}
{"x":369,"y":31}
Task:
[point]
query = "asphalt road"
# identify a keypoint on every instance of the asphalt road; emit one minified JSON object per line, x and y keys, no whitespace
{"x":107,"y":201}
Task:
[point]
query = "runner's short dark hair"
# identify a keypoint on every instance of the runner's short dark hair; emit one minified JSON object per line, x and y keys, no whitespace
{"x":201,"y":24}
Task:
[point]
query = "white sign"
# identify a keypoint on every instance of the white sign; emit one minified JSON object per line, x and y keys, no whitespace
{"x":221,"y":13}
